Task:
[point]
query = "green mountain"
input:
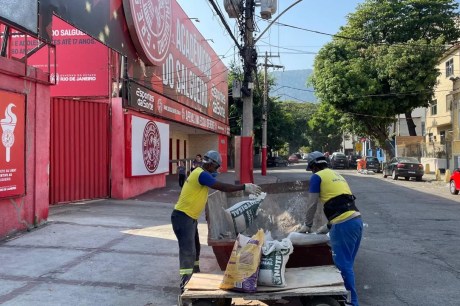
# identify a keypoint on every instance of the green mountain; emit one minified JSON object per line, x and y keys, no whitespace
{"x":291,"y":85}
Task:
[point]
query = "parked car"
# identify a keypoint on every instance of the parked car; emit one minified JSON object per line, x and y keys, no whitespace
{"x":454,"y":183}
{"x":293,"y":158}
{"x":406,"y":167}
{"x":372,"y":163}
{"x":352,"y":160}
{"x":338,"y":160}
{"x":276,"y":161}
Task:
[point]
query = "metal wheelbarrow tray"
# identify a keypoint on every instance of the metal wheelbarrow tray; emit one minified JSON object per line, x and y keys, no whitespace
{"x":280,"y":213}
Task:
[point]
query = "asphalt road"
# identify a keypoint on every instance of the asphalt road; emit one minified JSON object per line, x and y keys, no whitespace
{"x":410,"y":253}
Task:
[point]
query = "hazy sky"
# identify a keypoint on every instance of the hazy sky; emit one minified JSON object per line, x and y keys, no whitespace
{"x":296,"y":48}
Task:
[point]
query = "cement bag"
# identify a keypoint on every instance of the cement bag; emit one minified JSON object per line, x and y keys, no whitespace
{"x":243,"y":266}
{"x":275,"y":255}
{"x":243,"y":213}
{"x":307,"y":239}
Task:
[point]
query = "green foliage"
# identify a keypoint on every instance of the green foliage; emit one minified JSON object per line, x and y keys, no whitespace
{"x":388,"y":64}
{"x":286,"y":122}
{"x":325,"y":129}
{"x":293,"y":128}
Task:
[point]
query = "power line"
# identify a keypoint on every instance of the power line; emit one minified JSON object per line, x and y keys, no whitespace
{"x":227,"y":27}
{"x":295,"y":88}
{"x":359,"y":39}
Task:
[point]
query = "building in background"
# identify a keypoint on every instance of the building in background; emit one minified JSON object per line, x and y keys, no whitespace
{"x":442,"y":137}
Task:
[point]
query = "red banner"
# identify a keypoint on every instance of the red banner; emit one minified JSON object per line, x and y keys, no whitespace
{"x":81,"y":61}
{"x":12,"y":149}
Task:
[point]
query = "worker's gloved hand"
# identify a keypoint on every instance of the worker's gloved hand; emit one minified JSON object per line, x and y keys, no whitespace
{"x":303,"y":228}
{"x":252,"y":188}
{"x":323,"y":229}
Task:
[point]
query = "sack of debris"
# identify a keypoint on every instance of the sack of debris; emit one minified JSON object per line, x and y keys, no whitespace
{"x":275,"y":255}
{"x":243,"y":213}
{"x":242,"y":269}
{"x":307,"y":238}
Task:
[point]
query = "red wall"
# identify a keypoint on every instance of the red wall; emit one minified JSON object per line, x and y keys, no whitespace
{"x":20,"y":213}
{"x":122,"y":186}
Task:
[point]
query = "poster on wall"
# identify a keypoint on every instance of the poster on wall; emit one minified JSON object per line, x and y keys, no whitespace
{"x":81,"y":67}
{"x":147,"y":147}
{"x":12,"y":149}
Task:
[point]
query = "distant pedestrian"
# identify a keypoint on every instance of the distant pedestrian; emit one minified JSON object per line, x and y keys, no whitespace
{"x":196,"y":163}
{"x":181,"y":173}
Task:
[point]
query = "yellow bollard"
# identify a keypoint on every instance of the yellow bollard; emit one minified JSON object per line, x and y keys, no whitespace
{"x":447,"y":176}
{"x":427,"y":168}
{"x":438,"y":175}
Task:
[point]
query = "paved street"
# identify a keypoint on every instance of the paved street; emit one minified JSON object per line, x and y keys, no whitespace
{"x":112,"y":252}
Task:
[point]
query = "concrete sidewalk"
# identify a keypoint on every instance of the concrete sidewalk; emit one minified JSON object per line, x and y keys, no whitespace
{"x":106,"y":252}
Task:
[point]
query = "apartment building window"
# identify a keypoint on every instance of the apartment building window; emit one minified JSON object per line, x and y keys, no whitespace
{"x":442,"y":136}
{"x":434,"y":108}
{"x":450,"y":67}
{"x":448,"y":103}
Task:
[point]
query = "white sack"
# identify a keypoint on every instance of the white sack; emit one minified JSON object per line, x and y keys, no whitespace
{"x":275,"y":255}
{"x":243,"y":213}
{"x":307,"y":239}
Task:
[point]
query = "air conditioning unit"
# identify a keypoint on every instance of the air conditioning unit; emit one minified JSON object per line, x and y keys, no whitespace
{"x":267,"y":8}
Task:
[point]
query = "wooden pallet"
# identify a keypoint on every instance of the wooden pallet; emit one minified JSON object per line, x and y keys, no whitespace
{"x":305,"y":281}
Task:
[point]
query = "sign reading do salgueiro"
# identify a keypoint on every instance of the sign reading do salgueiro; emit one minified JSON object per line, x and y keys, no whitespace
{"x":190,"y":71}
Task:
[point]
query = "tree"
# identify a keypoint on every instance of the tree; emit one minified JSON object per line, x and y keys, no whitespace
{"x":383,"y":62}
{"x":324,"y":129}
{"x":276,"y":128}
{"x":294,"y":128}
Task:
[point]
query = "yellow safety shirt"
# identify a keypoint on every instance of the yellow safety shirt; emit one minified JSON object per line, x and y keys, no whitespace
{"x":193,"y":197}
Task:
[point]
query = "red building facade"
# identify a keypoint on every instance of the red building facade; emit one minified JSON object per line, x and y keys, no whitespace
{"x":136,"y":88}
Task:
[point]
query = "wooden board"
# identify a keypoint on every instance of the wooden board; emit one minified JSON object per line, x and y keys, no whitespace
{"x":321,"y":280}
{"x":272,"y":295}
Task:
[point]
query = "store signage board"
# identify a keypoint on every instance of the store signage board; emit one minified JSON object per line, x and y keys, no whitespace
{"x":144,"y":100}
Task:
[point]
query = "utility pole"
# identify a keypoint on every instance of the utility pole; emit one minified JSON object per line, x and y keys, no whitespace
{"x":265,"y":115}
{"x":249,"y":56}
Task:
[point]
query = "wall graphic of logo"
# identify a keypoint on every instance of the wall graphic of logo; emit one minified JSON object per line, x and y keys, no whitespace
{"x":151,"y":146}
{"x":153,"y":23}
{"x":8,"y":124}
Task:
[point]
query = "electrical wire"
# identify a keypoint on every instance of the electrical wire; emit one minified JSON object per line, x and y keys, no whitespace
{"x":360,"y":39}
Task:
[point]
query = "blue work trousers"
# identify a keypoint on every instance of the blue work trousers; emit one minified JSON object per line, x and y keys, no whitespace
{"x":186,"y":230}
{"x":345,"y":240}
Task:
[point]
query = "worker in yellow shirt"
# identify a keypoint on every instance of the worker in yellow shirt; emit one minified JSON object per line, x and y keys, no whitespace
{"x":191,"y":203}
{"x":344,"y":218}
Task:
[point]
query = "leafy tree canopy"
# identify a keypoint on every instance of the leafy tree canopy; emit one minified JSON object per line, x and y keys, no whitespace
{"x":383,"y":62}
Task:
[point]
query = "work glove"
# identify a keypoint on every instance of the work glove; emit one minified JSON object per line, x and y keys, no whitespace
{"x":252,"y":188}
{"x":304,"y":228}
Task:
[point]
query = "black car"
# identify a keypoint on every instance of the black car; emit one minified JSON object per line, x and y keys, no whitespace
{"x":339,"y":160}
{"x":373,"y":164}
{"x":352,"y":161}
{"x":276,"y":161}
{"x":406,"y":167}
